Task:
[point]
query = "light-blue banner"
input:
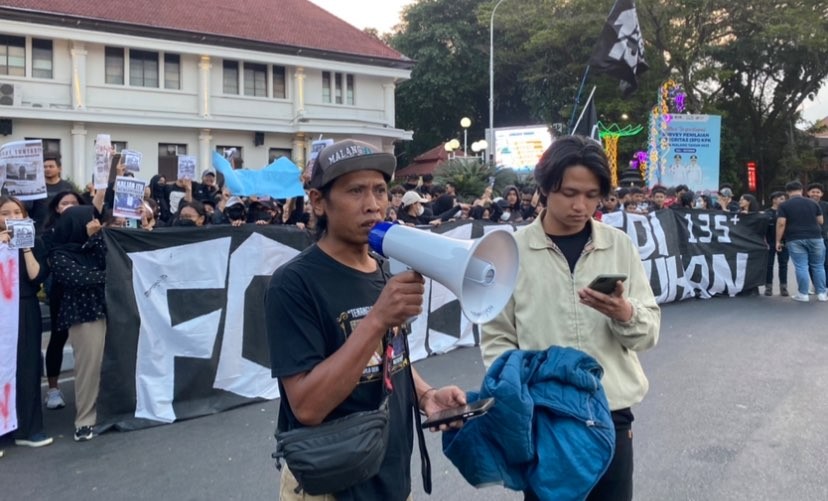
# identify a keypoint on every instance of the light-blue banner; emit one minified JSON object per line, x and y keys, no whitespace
{"x":693,"y":157}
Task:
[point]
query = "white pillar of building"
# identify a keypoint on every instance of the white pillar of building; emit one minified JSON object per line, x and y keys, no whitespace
{"x":299,"y":94}
{"x":78,"y":172}
{"x":388,"y":94}
{"x":78,"y":52}
{"x":298,"y":152}
{"x":204,"y":94}
{"x":205,"y":152}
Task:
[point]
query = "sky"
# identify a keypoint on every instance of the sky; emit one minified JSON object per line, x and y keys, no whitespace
{"x":384,"y":14}
{"x":379,"y":14}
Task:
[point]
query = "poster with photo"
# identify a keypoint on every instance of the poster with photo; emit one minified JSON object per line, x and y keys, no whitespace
{"x":129,"y":196}
{"x":316,"y":147}
{"x":132,"y":160}
{"x":23,"y":164}
{"x":103,"y":159}
{"x":186,"y":167}
{"x":22,"y":233}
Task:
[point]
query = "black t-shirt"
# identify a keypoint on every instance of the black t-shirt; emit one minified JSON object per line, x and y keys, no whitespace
{"x":572,"y":246}
{"x":312,"y":304}
{"x":824,"y":206}
{"x":800,"y":215}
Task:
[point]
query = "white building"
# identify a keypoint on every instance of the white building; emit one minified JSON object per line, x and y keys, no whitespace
{"x":187,"y":77}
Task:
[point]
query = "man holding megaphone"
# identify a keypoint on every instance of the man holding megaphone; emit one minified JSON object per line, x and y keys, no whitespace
{"x":336,"y":323}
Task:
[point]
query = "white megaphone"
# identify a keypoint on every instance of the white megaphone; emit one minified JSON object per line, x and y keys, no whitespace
{"x":481,"y":272}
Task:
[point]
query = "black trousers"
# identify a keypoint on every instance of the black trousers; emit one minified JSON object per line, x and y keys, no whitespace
{"x":58,"y":337}
{"x":783,"y":265}
{"x":29,"y":370}
{"x":617,"y":482}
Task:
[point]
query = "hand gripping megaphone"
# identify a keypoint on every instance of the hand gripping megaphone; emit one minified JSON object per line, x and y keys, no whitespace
{"x":481,"y":272}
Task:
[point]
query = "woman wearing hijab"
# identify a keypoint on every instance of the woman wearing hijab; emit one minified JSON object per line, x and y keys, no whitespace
{"x":58,"y":337}
{"x":157,"y":186}
{"x":30,"y":431}
{"x":78,"y":261}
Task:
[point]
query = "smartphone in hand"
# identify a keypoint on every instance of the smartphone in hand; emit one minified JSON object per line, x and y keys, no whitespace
{"x":606,"y":284}
{"x":462,"y":413}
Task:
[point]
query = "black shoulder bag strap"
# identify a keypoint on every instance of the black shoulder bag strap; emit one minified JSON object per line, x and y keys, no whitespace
{"x":425,"y":461}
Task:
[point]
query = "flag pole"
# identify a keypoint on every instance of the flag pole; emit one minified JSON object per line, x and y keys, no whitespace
{"x":581,"y":116}
{"x":578,"y":100}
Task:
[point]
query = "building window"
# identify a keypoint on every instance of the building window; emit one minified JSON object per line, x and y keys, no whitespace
{"x":143,"y":68}
{"x":233,"y":154}
{"x":255,"y":80}
{"x":114,"y":65}
{"x":119,"y":146}
{"x":172,"y":71}
{"x":279,"y":82}
{"x":171,"y":149}
{"x":275,"y":153}
{"x":337,"y":88}
{"x":49,"y":145}
{"x":12,"y":56}
{"x":231,"y":77}
{"x":41,"y":58}
{"x":326,"y":86}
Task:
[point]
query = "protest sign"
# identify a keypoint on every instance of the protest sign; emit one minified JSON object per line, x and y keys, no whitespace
{"x":191,"y":331}
{"x":22,"y":233}
{"x":9,"y":312}
{"x":316,"y":147}
{"x":186,"y":167}
{"x":129,"y":197}
{"x":103,"y":160}
{"x":23,"y":164}
{"x":132,"y":160}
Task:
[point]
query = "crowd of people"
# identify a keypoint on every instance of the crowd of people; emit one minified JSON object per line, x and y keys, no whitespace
{"x":68,"y":262}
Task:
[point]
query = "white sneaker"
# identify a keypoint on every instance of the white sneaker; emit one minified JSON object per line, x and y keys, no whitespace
{"x":823,"y":297}
{"x":811,"y":291}
{"x":800,"y":297}
{"x":54,"y":399}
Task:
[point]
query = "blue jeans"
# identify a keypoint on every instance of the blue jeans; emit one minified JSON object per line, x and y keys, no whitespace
{"x":808,"y":254}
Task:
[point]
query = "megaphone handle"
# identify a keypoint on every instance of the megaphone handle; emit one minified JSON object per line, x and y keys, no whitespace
{"x":396,"y":266}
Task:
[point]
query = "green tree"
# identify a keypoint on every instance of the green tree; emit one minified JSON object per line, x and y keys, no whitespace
{"x":450,"y":80}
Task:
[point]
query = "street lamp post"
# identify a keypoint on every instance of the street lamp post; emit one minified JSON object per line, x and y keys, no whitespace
{"x":491,"y":77}
{"x":465,"y":122}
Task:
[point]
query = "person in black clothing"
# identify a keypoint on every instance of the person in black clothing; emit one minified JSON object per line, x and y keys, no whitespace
{"x":39,"y":209}
{"x":57,"y":337}
{"x":414,"y":212}
{"x":207,"y":190}
{"x":815,"y":193}
{"x":32,"y":270}
{"x":777,"y":197}
{"x":799,"y":223}
{"x":78,"y":262}
{"x":332,"y":315}
{"x":157,"y":186}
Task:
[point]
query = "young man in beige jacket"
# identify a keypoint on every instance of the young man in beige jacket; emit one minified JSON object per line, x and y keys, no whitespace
{"x":561,"y":252}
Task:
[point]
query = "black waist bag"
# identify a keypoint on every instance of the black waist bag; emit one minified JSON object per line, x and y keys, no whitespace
{"x":338,"y":454}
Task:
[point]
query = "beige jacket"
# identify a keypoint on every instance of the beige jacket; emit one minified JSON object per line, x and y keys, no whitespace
{"x":545,"y":310}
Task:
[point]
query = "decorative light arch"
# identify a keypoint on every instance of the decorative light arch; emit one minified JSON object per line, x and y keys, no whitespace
{"x":671,"y":99}
{"x":610,"y":136}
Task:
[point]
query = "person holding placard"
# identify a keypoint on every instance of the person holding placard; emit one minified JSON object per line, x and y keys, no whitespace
{"x":30,"y":431}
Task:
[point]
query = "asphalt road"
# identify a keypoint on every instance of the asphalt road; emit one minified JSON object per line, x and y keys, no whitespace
{"x":736,"y":411}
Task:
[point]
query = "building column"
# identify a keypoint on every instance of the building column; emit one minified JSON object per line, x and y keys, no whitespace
{"x":78,"y":52}
{"x":299,"y":94}
{"x":204,"y":93}
{"x":205,"y":152}
{"x":298,"y":153}
{"x":78,"y":172}
{"x":388,"y":93}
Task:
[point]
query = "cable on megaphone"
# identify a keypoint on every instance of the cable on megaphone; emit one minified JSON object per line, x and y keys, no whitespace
{"x":480,"y":272}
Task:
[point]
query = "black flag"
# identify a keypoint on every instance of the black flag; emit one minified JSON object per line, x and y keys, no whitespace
{"x":620,"y":50}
